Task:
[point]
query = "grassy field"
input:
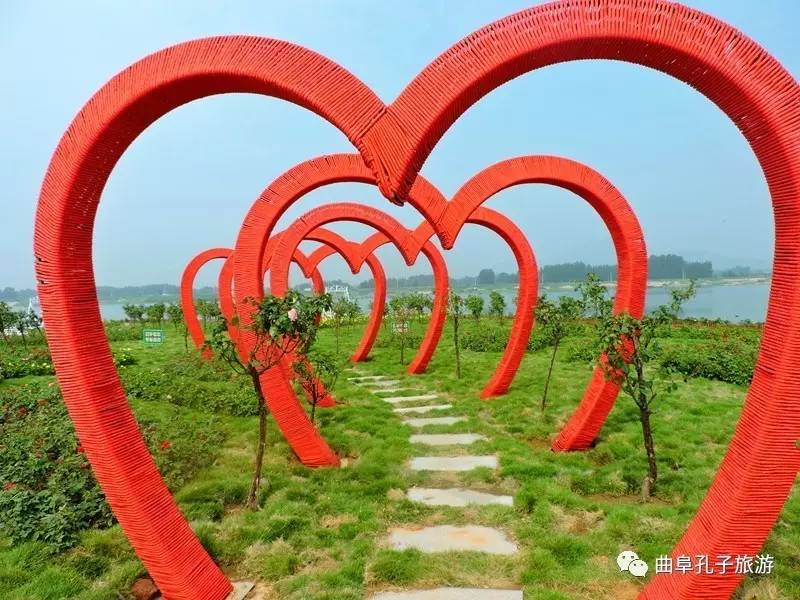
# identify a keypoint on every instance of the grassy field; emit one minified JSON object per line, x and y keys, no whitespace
{"x":320,"y":533}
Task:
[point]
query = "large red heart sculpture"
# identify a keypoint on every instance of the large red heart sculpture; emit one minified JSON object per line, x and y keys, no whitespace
{"x":332,"y":243}
{"x":391,"y":230}
{"x":186,"y":291}
{"x":750,"y":86}
{"x":378,"y":293}
{"x":449,"y":218}
{"x":519,"y":334}
{"x":226,"y":303}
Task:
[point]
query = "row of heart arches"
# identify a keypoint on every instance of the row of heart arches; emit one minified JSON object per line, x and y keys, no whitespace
{"x":392,"y":143}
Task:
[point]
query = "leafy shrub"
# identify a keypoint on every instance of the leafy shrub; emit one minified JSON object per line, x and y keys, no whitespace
{"x":731,"y":361}
{"x":232,"y":398}
{"x":581,"y":350}
{"x":484,"y":339}
{"x":37,"y":361}
{"x":47,"y":490}
{"x":122,"y":331}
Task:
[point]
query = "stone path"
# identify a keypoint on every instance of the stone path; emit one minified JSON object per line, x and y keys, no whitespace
{"x":446,"y":439}
{"x":422,"y":409}
{"x":452,"y":463}
{"x":425,"y":421}
{"x":443,"y":538}
{"x":451,"y":594}
{"x":455,"y":497}
{"x":400,"y":399}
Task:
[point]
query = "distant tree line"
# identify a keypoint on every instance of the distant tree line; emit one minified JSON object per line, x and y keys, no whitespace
{"x":661,"y":266}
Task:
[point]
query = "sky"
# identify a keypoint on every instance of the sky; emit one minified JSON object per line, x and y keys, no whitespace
{"x":186,"y":183}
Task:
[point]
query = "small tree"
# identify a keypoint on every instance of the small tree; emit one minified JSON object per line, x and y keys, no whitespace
{"x":8,"y":320}
{"x":401,"y":321}
{"x":21,"y":323}
{"x":35,"y":322}
{"x":594,"y":301}
{"x":475,"y":306}
{"x":419,"y":303}
{"x":455,"y":306}
{"x":497,"y":304}
{"x":353,"y":311}
{"x":134,"y":312}
{"x":316,"y":372}
{"x":155,"y":313}
{"x":628,"y":347}
{"x":340,"y":311}
{"x":175,"y":314}
{"x":554,"y":318}
{"x":281,"y":327}
{"x":208,"y":311}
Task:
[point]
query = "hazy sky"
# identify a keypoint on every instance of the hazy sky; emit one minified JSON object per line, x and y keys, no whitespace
{"x":186,"y":183}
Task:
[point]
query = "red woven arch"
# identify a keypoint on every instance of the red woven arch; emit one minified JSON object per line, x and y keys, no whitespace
{"x":378,"y":294}
{"x":77,"y":173}
{"x":519,"y":334}
{"x":225,"y":284}
{"x":734,"y":72}
{"x":389,"y":227}
{"x":629,"y":246}
{"x":187,"y":294}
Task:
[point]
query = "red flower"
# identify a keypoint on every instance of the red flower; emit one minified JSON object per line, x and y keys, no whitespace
{"x":9,"y":486}
{"x":41,"y":402}
{"x":22,"y":411}
{"x":165,"y":445}
{"x":80,"y":449}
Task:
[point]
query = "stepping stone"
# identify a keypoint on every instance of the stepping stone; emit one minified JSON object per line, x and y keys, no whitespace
{"x":399,"y":399}
{"x":455,"y":497}
{"x":383,"y":383}
{"x":393,"y":390}
{"x":446,"y":439}
{"x":451,"y":594}
{"x":364,"y":378}
{"x":452,"y":463}
{"x":445,"y":538}
{"x":424,"y":421}
{"x":422,"y":409}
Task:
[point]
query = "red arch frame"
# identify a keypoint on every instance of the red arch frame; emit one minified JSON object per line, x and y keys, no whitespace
{"x":334,"y":243}
{"x":378,"y":295}
{"x":225,"y":281}
{"x":747,"y":83}
{"x":629,"y":246}
{"x":188,"y":276}
{"x":527,"y":294}
{"x":392,"y":231}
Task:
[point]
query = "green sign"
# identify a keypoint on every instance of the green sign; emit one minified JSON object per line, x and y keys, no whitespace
{"x":153,"y":336}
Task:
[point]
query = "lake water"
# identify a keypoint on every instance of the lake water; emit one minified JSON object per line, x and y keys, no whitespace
{"x":729,"y":302}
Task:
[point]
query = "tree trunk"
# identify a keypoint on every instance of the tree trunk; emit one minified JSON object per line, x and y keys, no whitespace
{"x":549,"y":374}
{"x":337,"y":338}
{"x":458,"y":352}
{"x":652,"y":472}
{"x":252,"y":497}
{"x":403,"y":348}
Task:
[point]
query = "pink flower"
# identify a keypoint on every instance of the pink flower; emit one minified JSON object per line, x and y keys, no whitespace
{"x":292,"y":314}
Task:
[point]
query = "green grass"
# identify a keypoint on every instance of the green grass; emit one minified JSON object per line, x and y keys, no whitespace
{"x":319,"y":534}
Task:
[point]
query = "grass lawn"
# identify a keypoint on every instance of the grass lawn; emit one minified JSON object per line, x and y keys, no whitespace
{"x":320,"y":533}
